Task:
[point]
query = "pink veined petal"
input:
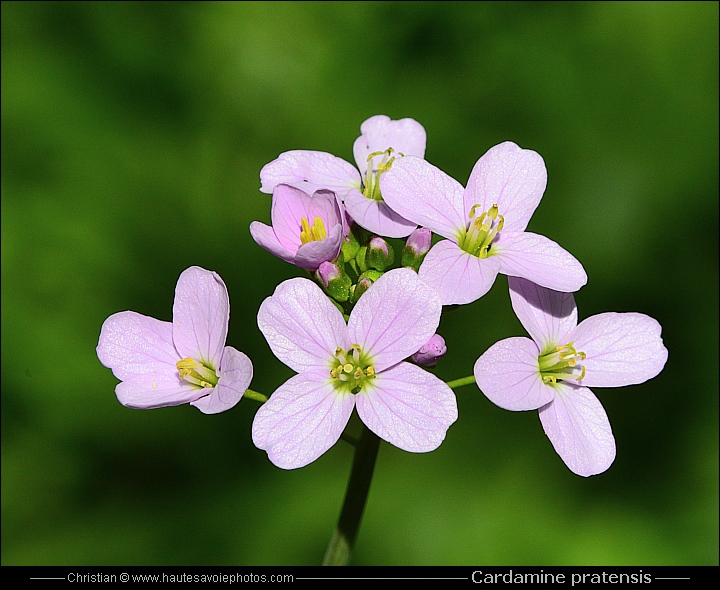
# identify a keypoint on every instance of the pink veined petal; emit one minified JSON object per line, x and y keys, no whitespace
{"x":621,"y":348}
{"x":289,"y":206}
{"x":376,"y":216}
{"x":157,"y":390}
{"x":326,"y":205}
{"x":408,"y":407}
{"x":425,"y":195}
{"x":235,"y":374}
{"x":132,"y":344}
{"x":508,"y":374}
{"x":315,"y":170}
{"x":510,"y":177}
{"x":394,"y":318}
{"x":313,"y":254}
{"x":301,"y":420}
{"x":379,"y":133}
{"x":579,"y":429}
{"x":538,"y":259}
{"x":459,"y":277}
{"x":547,"y":315}
{"x":201,"y":313}
{"x":302,"y":326}
{"x":265,"y":237}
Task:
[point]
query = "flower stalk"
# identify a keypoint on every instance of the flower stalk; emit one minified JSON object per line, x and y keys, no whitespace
{"x":343,"y":539}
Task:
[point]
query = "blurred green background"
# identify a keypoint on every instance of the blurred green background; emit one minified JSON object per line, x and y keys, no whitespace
{"x":132,"y":139}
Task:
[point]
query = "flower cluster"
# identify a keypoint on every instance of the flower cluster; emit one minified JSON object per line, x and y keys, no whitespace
{"x":360,"y":329}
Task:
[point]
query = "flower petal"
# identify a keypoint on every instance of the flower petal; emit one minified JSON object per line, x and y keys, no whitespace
{"x":265,"y":237}
{"x":379,"y":133}
{"x":201,"y":312}
{"x":235,"y":374}
{"x":157,"y":390}
{"x":538,"y":259}
{"x":313,"y":254}
{"x":289,"y":206}
{"x":510,"y":177}
{"x":302,"y":326}
{"x":425,"y":195}
{"x":621,"y":348}
{"x":310,"y":171}
{"x":579,"y":429}
{"x":508,"y":374}
{"x":376,"y":216}
{"x":459,"y":277}
{"x":408,"y":407}
{"x":132,"y":344}
{"x":547,"y":315}
{"x":394,"y":317}
{"x":301,"y":420}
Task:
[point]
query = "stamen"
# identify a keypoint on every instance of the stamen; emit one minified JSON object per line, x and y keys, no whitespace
{"x":481,"y":231}
{"x":315,"y":233}
{"x":561,"y":364}
{"x":351,"y":369}
{"x":196,"y":373}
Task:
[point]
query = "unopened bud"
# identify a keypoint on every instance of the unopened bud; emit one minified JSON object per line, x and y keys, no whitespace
{"x":417,"y":246}
{"x":380,"y":254}
{"x":350,"y":246}
{"x":364,"y":282}
{"x":335,"y":280}
{"x":432,"y":351}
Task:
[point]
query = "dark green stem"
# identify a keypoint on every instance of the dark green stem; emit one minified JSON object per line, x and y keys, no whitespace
{"x":343,"y":540}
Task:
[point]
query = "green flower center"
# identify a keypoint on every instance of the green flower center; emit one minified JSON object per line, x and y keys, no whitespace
{"x":481,"y":231}
{"x":197,"y":373}
{"x":351,"y":369}
{"x":372,"y":175}
{"x":316,"y":233}
{"x":561,"y":363}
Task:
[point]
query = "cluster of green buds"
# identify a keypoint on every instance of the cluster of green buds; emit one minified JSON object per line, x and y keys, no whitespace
{"x":363,"y":260}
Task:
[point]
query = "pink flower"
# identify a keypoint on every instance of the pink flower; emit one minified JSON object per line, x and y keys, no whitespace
{"x":484,"y":223}
{"x":552,"y":372}
{"x":354,"y":365}
{"x":179,"y":362}
{"x":381,"y":142}
{"x":306,"y":231}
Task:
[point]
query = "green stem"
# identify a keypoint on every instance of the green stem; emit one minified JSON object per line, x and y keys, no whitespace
{"x":343,"y":540}
{"x":249,"y":393}
{"x":460,"y":382}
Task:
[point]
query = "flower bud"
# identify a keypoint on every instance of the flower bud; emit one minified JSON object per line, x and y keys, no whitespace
{"x":431,"y":352}
{"x":366,"y":279}
{"x":350,"y":247}
{"x":417,"y":245}
{"x":380,"y":254}
{"x":335,"y":280}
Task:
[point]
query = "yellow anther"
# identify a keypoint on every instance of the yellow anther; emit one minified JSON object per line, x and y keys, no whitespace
{"x":370,"y":371}
{"x":188,"y":363}
{"x":312,"y":234}
{"x":318,"y":230}
{"x":493,"y":211}
{"x":338,"y":351}
{"x":358,"y":373}
{"x":371,"y":156}
{"x":348,"y":368}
